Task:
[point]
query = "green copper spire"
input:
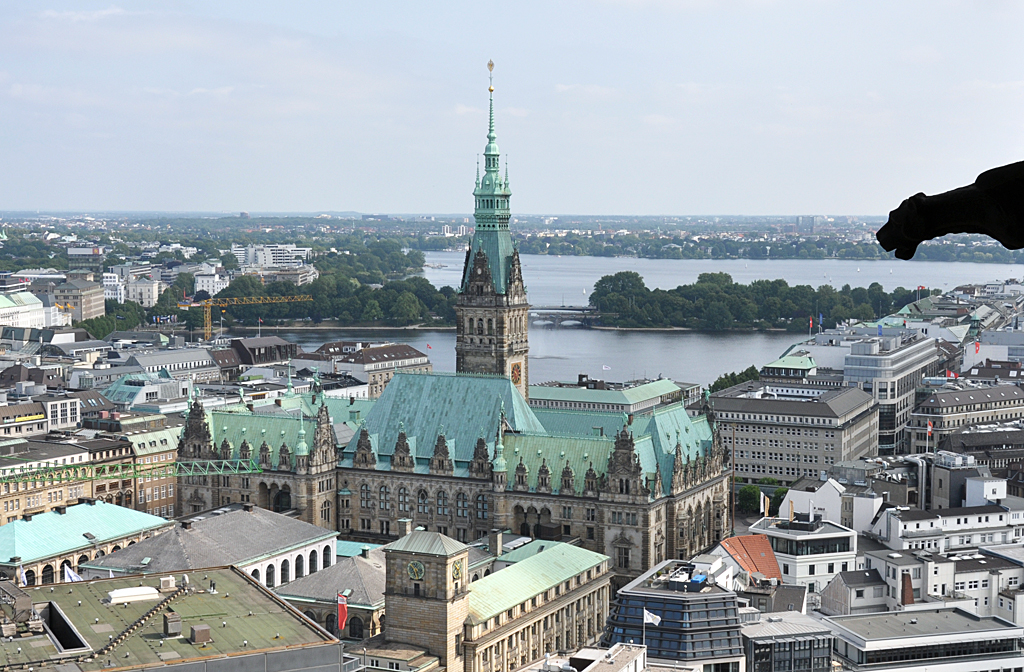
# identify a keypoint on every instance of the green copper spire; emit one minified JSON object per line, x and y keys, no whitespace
{"x":491,"y":212}
{"x":300,"y":447}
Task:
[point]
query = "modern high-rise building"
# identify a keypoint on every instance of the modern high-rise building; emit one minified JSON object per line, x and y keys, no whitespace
{"x":492,"y":310}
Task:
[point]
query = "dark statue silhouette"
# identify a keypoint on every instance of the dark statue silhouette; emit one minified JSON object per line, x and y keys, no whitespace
{"x":993,"y":206}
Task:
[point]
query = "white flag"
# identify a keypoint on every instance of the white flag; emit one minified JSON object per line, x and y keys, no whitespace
{"x":653,"y":619}
{"x":70,"y":575}
{"x":21,"y":575}
{"x":110,"y":573}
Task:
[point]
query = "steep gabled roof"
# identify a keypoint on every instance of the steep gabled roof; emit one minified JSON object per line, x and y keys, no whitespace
{"x":464,"y":407}
{"x":753,"y":553}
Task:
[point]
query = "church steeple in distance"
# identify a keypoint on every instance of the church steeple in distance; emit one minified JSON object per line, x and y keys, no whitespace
{"x":492,"y":311}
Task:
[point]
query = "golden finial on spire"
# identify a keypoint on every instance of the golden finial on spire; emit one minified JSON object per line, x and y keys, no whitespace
{"x":490,"y":76}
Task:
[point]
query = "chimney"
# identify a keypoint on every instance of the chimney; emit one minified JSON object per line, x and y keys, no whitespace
{"x":247,"y":506}
{"x":404,"y":526}
{"x":186,"y":524}
{"x":351,"y":400}
{"x":906,"y":589}
{"x":61,"y":510}
{"x":630,"y":419}
{"x":27,"y":517}
{"x":495,"y":541}
{"x":364,"y":552}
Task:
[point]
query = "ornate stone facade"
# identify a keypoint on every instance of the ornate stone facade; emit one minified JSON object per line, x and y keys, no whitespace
{"x":294,"y":475}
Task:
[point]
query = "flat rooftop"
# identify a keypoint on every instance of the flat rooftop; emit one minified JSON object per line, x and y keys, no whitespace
{"x":244,"y":618}
{"x":673,"y":577}
{"x":942,"y":622}
{"x":784,"y":624}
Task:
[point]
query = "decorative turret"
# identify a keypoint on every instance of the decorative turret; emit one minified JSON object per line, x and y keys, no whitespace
{"x":441,"y":462}
{"x":480,"y":465}
{"x":402,"y":460}
{"x":499,"y":468}
{"x":522,"y":477}
{"x":568,"y":480}
{"x":624,"y":471}
{"x":284,"y":458}
{"x":265,"y":456}
{"x":544,"y":477}
{"x":364,"y":457}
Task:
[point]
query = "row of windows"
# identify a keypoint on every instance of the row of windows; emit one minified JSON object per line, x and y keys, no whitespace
{"x":441,"y":502}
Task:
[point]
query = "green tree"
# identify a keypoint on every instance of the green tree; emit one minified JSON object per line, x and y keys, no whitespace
{"x":407,"y":309}
{"x":727,"y":380}
{"x":372,"y":312}
{"x":748,"y":497}
{"x":777,"y":497}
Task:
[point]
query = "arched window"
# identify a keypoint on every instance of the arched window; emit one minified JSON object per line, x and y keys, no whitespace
{"x":355,"y":628}
{"x":47,"y":574}
{"x":469,"y":326}
{"x":462,"y":505}
{"x":312,"y":561}
{"x":403,"y":500}
{"x":327,"y":556}
{"x":490,"y":327}
{"x":481,"y":507}
{"x":364,"y":496}
{"x":331,"y":624}
{"x":270,"y":576}
{"x":256,"y":574}
{"x":480,"y":323}
{"x":422,"y":503}
{"x":325,"y":512}
{"x":442,"y":503}
{"x":299,"y":571}
{"x":385,"y":498}
{"x":67,"y":564}
{"x":30,"y":577}
{"x":284,"y":572}
{"x":82,"y":559}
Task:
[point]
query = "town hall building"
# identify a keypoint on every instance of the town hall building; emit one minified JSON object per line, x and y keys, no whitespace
{"x":461,"y":454}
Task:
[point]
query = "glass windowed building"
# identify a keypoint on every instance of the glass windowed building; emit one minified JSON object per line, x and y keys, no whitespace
{"x":691,"y":619}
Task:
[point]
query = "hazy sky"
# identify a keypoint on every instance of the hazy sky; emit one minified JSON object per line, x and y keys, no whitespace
{"x":627,"y":107}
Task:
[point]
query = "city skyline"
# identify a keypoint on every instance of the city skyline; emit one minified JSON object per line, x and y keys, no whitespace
{"x":604,"y":109}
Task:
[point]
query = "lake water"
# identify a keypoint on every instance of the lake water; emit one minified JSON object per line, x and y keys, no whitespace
{"x":554,"y":281}
{"x":561,"y":354}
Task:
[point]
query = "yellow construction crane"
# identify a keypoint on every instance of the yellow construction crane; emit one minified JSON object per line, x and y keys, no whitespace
{"x":207,"y":304}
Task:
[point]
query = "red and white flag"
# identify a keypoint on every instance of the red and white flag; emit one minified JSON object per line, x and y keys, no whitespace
{"x":929,"y":428}
{"x":977,"y":347}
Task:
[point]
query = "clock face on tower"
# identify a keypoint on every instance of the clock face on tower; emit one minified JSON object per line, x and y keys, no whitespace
{"x":416,"y":570}
{"x":457,"y":570}
{"x":517,"y":373}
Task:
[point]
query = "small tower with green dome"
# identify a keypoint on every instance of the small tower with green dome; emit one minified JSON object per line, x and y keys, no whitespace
{"x":492,"y":312}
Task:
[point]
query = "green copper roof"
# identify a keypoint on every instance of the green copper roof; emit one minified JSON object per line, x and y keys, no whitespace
{"x":535,"y":450}
{"x":633,"y":395}
{"x":793,"y":362}
{"x":528,"y":550}
{"x":465,"y":407}
{"x":427,"y":543}
{"x":51,"y":534}
{"x":238,"y":424}
{"x":513,"y":585}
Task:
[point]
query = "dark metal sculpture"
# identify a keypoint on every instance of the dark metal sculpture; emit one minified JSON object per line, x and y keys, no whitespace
{"x":993,"y":206}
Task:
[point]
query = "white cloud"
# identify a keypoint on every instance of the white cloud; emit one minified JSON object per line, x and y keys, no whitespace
{"x":94,"y":15}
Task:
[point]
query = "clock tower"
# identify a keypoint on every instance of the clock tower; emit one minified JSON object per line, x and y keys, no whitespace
{"x":425,"y":598}
{"x":492,"y":313}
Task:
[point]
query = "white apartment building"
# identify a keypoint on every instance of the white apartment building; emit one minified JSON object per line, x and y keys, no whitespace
{"x":212,"y":283}
{"x":950,"y":530}
{"x":22,"y":309}
{"x":266,"y":256}
{"x":788,"y":431}
{"x":810,"y":551}
{"x":145,"y":292}
{"x":944,"y":639}
{"x":113,"y":288}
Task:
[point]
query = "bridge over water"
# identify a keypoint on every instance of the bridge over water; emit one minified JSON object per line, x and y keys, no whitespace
{"x":558,"y":315}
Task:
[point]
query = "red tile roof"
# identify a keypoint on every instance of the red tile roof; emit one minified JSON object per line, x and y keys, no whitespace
{"x":753,"y":553}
